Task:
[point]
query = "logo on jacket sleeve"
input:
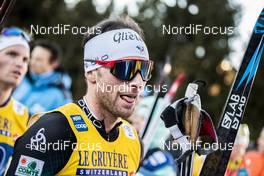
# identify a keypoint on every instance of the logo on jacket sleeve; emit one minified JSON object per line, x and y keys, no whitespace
{"x":129,"y":131}
{"x":79,"y":123}
{"x":38,"y":142}
{"x":29,"y":166}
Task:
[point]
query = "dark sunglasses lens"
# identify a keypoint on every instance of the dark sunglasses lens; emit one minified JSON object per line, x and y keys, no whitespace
{"x":145,"y":71}
{"x":123,"y":70}
{"x":127,"y":70}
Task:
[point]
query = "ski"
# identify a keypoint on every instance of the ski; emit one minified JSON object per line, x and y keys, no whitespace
{"x":216,"y":163}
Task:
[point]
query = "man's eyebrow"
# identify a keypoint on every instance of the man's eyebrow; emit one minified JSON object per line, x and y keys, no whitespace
{"x":12,"y":51}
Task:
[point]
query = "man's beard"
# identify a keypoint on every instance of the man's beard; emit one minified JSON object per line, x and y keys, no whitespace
{"x":110,"y":105}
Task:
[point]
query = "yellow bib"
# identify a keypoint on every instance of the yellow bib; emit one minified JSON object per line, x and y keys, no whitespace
{"x":13,"y":121}
{"x":93,"y":155}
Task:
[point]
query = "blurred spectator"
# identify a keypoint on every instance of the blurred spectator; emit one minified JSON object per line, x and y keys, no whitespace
{"x":140,"y":116}
{"x":14,"y":59}
{"x":156,"y":162}
{"x":254,"y":160}
{"x":45,"y":87}
{"x":236,"y":166}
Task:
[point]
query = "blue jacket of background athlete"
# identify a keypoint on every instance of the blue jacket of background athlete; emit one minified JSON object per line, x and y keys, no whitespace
{"x":44,"y":92}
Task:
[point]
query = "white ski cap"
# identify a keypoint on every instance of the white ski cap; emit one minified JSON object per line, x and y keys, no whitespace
{"x":114,"y":45}
{"x":7,"y":41}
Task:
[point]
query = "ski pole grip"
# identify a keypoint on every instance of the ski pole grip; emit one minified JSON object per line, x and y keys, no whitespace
{"x":191,"y":90}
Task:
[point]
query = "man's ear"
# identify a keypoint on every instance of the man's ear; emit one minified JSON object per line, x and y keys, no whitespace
{"x":91,"y":76}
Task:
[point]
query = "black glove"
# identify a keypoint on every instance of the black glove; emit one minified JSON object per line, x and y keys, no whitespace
{"x":172,"y":115}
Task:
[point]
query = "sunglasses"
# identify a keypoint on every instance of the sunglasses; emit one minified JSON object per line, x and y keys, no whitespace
{"x":126,"y":70}
{"x":13,"y":31}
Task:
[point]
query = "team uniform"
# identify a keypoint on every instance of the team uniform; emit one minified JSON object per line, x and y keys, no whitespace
{"x":83,"y":146}
{"x":13,"y":122}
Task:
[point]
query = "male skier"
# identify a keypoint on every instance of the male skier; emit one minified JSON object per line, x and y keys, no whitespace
{"x":14,"y":59}
{"x":95,"y":137}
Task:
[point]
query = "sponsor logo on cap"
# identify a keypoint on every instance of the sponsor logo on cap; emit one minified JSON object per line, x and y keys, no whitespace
{"x":79,"y":123}
{"x":141,"y":49}
{"x":29,"y":166}
{"x":125,"y":36}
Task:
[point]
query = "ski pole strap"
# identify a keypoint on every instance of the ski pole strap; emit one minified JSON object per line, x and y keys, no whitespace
{"x":207,"y":135}
{"x":204,"y":130}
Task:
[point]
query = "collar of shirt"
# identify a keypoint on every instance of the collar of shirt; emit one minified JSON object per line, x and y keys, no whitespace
{"x":112,"y":135}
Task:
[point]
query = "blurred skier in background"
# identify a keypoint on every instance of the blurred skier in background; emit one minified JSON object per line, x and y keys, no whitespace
{"x":45,"y":87}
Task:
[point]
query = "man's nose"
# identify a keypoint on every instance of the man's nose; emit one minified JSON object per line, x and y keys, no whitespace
{"x":19,"y":62}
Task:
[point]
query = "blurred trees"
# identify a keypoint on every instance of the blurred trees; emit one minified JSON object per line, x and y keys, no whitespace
{"x":199,"y":56}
